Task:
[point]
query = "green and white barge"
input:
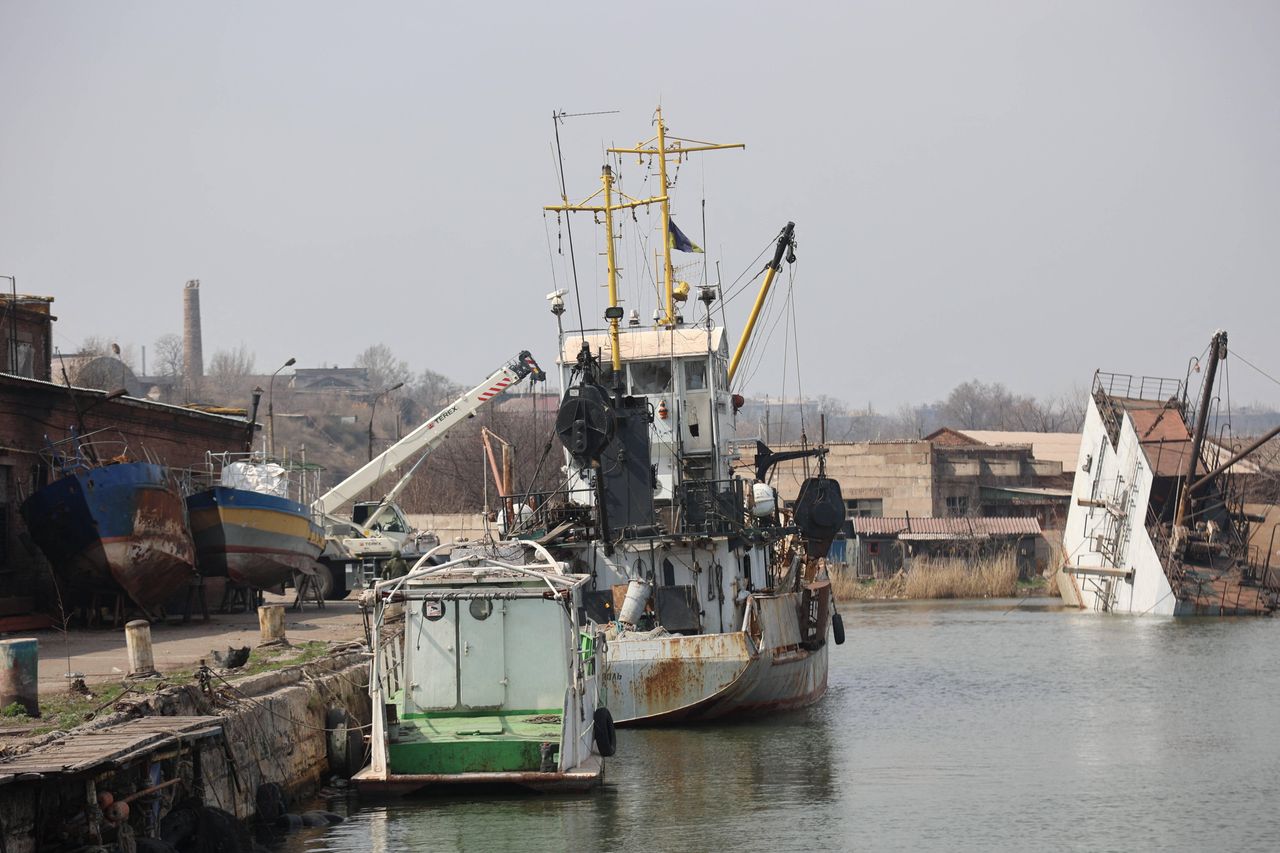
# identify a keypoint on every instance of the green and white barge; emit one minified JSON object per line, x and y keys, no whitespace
{"x":489,"y":677}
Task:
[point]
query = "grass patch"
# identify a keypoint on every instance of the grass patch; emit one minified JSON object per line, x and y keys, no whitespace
{"x":66,"y":710}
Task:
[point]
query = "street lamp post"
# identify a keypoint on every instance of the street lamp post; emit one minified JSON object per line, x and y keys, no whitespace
{"x":374,"y":409}
{"x":271,"y":422}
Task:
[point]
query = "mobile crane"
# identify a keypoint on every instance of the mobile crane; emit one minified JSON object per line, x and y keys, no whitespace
{"x":377,"y":530}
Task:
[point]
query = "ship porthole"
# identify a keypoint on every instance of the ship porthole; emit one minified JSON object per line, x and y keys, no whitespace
{"x":480,"y":608}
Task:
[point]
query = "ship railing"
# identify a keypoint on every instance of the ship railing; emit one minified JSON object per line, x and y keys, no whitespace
{"x":78,"y":452}
{"x":1162,"y":538}
{"x":701,"y":507}
{"x":302,"y":480}
{"x":710,"y":507}
{"x":391,"y":653}
{"x":1129,"y":387}
{"x":547,"y":510}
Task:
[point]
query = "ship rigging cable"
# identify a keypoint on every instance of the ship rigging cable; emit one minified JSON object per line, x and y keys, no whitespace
{"x":1237,"y":354}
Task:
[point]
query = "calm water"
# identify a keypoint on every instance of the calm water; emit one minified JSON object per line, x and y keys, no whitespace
{"x":948,"y":726}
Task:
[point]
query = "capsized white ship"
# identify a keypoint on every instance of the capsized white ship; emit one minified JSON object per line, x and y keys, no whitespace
{"x":1157,"y":524}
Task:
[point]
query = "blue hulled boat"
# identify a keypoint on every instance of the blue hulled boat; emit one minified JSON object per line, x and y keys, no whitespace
{"x":116,"y":527}
{"x":247,"y":528}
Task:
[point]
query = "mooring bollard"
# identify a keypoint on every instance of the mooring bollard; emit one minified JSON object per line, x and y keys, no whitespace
{"x":271,"y":623}
{"x":19,"y":674}
{"x":137,"y":636}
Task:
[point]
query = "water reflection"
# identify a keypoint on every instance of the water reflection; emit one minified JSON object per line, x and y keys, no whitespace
{"x":958,"y":725}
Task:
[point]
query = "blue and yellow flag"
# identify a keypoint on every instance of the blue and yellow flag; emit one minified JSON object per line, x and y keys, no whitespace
{"x":678,"y":241}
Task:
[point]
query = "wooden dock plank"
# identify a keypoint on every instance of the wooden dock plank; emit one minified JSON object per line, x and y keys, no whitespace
{"x":115,"y":746}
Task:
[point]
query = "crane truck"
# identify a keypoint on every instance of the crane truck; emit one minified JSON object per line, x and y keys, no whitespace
{"x":378,"y":529}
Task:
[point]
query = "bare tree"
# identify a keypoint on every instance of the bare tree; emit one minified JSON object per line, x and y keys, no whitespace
{"x":431,"y":389}
{"x":383,"y":367}
{"x":231,"y":364}
{"x":168,"y":356}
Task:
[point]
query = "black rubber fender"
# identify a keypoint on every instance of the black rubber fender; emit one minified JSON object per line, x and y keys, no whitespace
{"x":269,"y":799}
{"x":344,"y":744}
{"x":319,"y":817}
{"x":837,"y":628}
{"x":606,"y":735}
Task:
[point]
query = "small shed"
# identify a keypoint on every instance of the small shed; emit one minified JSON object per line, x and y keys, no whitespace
{"x":881,"y":547}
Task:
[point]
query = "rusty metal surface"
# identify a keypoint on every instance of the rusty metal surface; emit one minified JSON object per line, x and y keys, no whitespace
{"x":684,"y":679}
{"x":109,"y":748}
{"x":1165,"y":439}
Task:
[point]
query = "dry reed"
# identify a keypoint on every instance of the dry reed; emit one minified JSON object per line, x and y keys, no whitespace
{"x":846,"y":587}
{"x":994,"y":576}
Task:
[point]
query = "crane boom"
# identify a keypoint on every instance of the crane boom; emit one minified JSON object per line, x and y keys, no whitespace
{"x":429,"y":434}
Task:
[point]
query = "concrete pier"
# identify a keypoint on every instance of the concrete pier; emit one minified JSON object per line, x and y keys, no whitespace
{"x":137,"y":636}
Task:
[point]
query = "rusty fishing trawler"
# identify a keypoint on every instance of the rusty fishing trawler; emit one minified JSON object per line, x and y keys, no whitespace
{"x":1158,"y":523}
{"x":713,"y":595}
{"x":110,"y":523}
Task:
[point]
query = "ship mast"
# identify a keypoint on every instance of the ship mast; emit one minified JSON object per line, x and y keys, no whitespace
{"x":658,"y":147}
{"x":614,"y":311}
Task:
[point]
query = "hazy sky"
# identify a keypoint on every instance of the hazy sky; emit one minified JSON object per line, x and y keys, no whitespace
{"x":1019,"y":192}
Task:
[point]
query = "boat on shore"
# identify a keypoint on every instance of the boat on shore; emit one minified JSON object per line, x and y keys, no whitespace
{"x":111,"y":524}
{"x":482,"y":674}
{"x":247,"y":526}
{"x":714,"y":594}
{"x":1158,"y":523}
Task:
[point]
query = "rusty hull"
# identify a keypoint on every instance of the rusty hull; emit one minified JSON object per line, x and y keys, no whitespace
{"x":674,"y":679}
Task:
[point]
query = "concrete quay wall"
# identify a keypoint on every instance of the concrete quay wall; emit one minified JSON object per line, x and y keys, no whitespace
{"x":273,"y":730}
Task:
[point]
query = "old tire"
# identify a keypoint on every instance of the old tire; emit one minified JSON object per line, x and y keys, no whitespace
{"x":837,"y":628}
{"x":333,"y":581}
{"x":344,"y":743}
{"x":606,"y":735}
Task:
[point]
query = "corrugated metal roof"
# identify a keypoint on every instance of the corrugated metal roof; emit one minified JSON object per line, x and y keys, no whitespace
{"x":959,"y":527}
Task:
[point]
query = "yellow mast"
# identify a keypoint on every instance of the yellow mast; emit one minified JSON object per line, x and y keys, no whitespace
{"x":784,"y":241}
{"x":680,"y":150}
{"x":606,"y":189}
{"x":606,"y":178}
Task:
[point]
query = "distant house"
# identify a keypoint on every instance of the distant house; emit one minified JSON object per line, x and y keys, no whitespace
{"x":947,"y":474}
{"x":345,"y":381}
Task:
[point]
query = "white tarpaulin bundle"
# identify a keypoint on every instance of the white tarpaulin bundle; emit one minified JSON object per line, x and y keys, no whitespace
{"x":266,"y":478}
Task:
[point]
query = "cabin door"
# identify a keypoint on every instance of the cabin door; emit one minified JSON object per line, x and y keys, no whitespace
{"x":482,"y":662}
{"x":432,"y":648}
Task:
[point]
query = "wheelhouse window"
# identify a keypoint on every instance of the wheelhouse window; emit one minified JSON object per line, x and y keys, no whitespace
{"x":695,"y":375}
{"x":650,"y":377}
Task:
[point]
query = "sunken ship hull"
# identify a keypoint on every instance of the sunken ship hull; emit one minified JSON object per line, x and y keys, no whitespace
{"x":1157,"y":524}
{"x":114,"y":528}
{"x":252,"y":538}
